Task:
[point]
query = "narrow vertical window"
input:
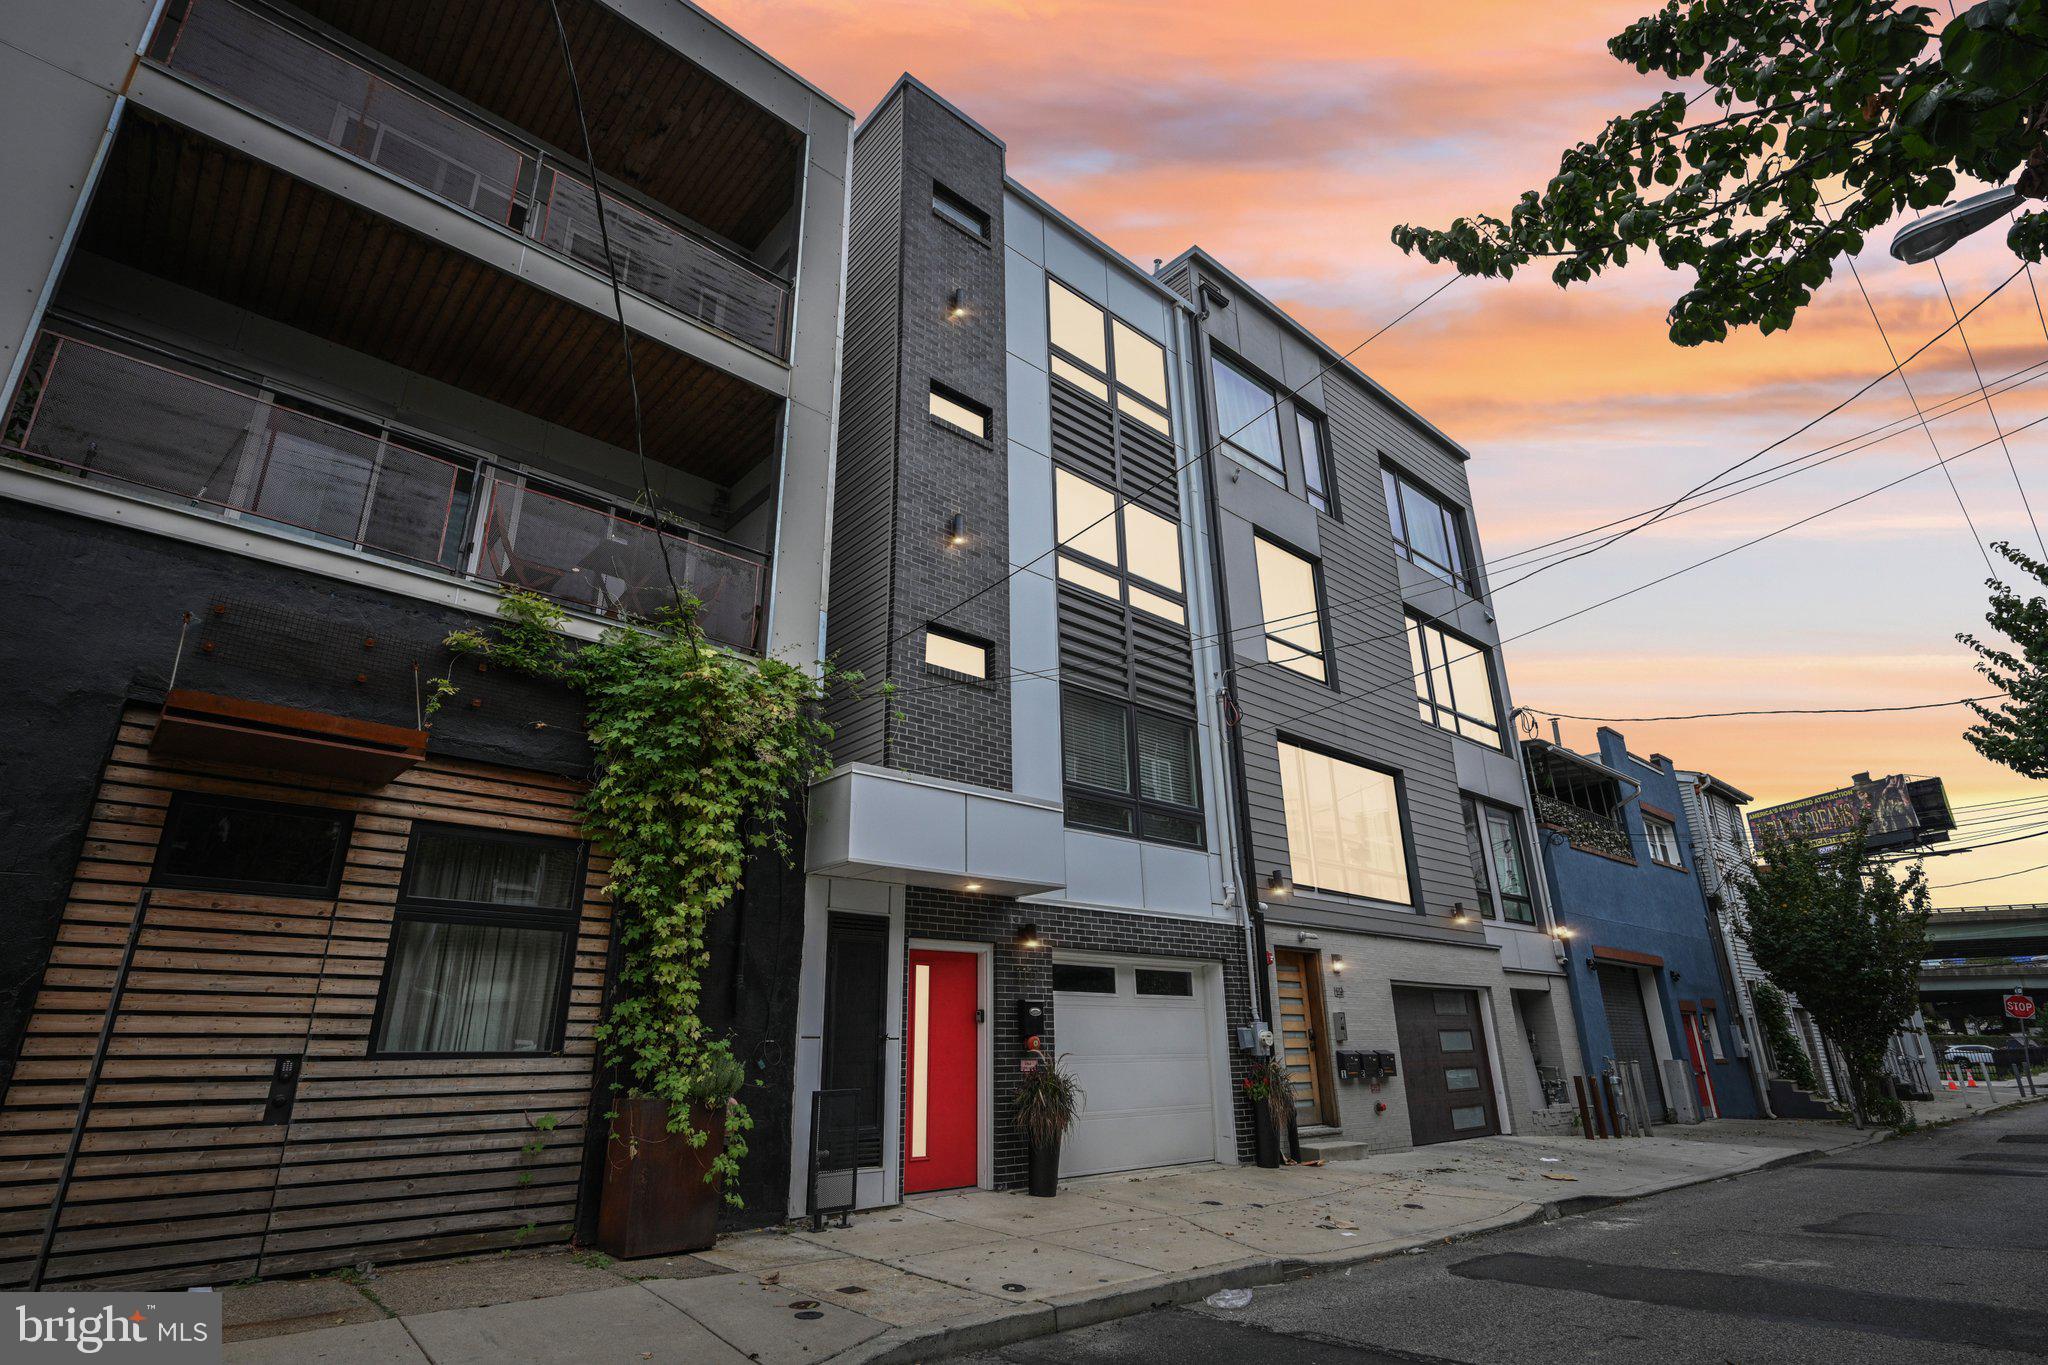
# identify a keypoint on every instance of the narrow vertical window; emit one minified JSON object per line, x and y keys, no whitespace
{"x":1315,"y":463}
{"x":920,"y":1051}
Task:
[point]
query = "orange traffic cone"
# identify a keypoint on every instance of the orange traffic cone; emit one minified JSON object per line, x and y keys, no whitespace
{"x":1950,"y":1078}
{"x":1971,"y":1077}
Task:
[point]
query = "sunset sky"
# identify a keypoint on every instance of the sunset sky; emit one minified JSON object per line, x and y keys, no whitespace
{"x":1288,"y":137}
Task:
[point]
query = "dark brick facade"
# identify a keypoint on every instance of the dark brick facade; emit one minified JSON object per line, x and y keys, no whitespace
{"x":938,"y":302}
{"x":1027,"y":974}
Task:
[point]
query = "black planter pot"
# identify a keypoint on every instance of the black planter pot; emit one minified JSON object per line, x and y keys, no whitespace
{"x":1266,"y":1136}
{"x":1045,"y":1168}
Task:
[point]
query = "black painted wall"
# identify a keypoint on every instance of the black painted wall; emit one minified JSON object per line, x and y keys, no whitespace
{"x":94,"y":613}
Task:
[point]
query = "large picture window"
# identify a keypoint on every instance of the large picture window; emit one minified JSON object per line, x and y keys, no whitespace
{"x":1500,"y":862}
{"x":1118,"y":551}
{"x":1291,"y":611}
{"x":1344,"y":831}
{"x":1453,"y":682}
{"x":1129,"y":770}
{"x":481,"y":945}
{"x":1102,"y":355}
{"x":1428,"y":532}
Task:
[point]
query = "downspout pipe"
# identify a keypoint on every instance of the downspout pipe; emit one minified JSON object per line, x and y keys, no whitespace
{"x":1234,"y":748}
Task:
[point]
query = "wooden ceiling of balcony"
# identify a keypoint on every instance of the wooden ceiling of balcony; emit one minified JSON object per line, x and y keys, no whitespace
{"x":658,"y":121}
{"x":189,"y":210}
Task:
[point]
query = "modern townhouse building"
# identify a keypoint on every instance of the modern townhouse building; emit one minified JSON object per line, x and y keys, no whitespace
{"x":1021,"y":839}
{"x":309,"y":355}
{"x":1380,"y":814}
{"x":1620,"y":854}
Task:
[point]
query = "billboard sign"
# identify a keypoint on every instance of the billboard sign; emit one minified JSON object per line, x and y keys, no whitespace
{"x":1900,"y":810}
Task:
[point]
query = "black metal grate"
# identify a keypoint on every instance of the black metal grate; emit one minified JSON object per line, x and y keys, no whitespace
{"x":835,"y":1153}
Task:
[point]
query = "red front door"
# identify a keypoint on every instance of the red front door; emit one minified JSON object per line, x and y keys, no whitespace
{"x":1702,"y":1079}
{"x":942,"y":1073}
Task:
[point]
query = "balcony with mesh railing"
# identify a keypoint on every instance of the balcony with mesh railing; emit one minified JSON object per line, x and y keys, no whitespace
{"x":245,"y":453}
{"x":376,"y":115}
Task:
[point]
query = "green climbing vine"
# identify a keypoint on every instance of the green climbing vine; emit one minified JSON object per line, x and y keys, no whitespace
{"x":697,"y":755}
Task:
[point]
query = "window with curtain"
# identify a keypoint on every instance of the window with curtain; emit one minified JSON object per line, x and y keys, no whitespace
{"x":1129,"y":770}
{"x":1315,"y":463}
{"x":1343,"y":826}
{"x":1248,"y":419}
{"x":1453,"y":682}
{"x":1500,"y":862}
{"x":480,"y":945}
{"x":1428,"y":531}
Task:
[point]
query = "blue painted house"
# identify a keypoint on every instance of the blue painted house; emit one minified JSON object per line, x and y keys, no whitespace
{"x":1646,"y":975}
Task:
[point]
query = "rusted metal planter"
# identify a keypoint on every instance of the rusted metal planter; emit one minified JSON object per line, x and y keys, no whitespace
{"x":655,"y":1200}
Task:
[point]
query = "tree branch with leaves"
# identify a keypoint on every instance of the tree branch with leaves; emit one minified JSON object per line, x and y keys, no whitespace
{"x":1845,"y":935}
{"x":2015,"y":732}
{"x":1832,"y":117}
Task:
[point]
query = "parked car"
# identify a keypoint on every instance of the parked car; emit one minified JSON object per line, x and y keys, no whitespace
{"x":1973,"y":1053}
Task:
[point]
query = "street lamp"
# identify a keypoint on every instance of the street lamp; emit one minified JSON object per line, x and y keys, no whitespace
{"x":1938,"y":231}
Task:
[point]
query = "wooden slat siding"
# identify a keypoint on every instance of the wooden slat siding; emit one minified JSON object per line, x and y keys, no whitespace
{"x":178,"y":1180}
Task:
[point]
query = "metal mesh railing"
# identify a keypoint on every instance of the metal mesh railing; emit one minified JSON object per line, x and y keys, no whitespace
{"x":612,"y":565}
{"x":248,"y":455}
{"x":329,"y":96}
{"x":110,"y":416}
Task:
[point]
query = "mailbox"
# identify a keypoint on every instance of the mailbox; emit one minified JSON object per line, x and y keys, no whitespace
{"x":1351,"y":1065}
{"x":1030,"y":1018}
{"x":1381,"y":1065}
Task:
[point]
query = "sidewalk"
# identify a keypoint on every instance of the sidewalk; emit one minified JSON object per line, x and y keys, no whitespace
{"x":945,"y":1274}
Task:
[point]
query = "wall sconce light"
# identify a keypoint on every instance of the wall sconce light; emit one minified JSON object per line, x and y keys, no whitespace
{"x":956,"y":529}
{"x":1027,"y":936}
{"x":1337,"y":965}
{"x":1562,"y":930}
{"x":1306,"y":936}
{"x":972,"y":886}
{"x":956,"y":305}
{"x":1278,"y":884}
{"x":1460,"y":915}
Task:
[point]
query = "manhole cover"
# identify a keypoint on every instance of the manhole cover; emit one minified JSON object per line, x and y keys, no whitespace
{"x":1013,"y":1289}
{"x":810,"y":1313}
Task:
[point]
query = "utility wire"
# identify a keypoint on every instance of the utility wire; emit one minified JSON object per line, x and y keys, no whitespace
{"x":1971,"y":352}
{"x":1778,"y":711}
{"x":611,"y":270}
{"x":1995,"y":877}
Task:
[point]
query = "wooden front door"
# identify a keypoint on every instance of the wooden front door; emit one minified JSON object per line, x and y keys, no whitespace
{"x":1303,"y":1038}
{"x":942,"y":1122}
{"x":1448,"y":1077}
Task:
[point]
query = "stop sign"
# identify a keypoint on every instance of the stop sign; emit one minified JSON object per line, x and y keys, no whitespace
{"x":2019,"y":1006}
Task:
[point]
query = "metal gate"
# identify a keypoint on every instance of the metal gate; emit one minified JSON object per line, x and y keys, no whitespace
{"x":1628,"y":1024}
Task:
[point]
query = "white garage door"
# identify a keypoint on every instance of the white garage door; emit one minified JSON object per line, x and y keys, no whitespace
{"x":1138,"y":1040}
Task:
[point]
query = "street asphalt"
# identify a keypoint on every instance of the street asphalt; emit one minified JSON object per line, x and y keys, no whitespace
{"x":1931,"y":1248}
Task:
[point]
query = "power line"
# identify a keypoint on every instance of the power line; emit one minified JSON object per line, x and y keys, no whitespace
{"x":1995,"y":877}
{"x":1776,"y":711}
{"x":1885,"y":337}
{"x":1971,"y":352}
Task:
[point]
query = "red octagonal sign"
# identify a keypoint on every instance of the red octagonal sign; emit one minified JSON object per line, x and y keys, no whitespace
{"x":2019,"y":1006}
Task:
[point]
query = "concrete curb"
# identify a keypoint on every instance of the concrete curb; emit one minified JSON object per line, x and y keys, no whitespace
{"x":904,"y":1345}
